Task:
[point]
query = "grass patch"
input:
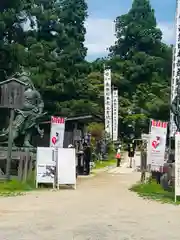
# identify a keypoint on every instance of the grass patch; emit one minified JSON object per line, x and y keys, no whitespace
{"x":103,"y":164}
{"x":16,"y":188}
{"x":154,"y":191}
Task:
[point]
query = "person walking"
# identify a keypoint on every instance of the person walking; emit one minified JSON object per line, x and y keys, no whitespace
{"x":87,"y":158}
{"x":118,"y":156}
{"x":131,"y":151}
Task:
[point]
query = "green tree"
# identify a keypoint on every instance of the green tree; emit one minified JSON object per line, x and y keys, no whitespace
{"x":47,"y":37}
{"x":13,"y":15}
{"x":43,"y":60}
{"x":138,"y":44}
{"x":55,"y":44}
{"x":137,"y":31}
{"x":73,"y":16}
{"x":143,"y":64}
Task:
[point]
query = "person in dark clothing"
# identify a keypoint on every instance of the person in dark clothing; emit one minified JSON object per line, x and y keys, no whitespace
{"x":87,"y":158}
{"x":131,"y":151}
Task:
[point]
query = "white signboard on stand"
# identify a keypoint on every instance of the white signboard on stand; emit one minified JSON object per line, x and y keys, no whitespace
{"x":66,"y":167}
{"x":57,"y":132}
{"x":177,"y":165}
{"x":45,"y":166}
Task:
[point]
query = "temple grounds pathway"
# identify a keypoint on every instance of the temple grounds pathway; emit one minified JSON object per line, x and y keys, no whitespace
{"x":100,"y":208}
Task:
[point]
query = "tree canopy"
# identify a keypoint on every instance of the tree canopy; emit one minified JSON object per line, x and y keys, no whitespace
{"x":143,"y":62}
{"x":47,"y":38}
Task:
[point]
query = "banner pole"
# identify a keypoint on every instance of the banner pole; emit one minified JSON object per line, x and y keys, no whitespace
{"x":148,"y":146}
{"x":175,"y":197}
{"x":150,"y":125}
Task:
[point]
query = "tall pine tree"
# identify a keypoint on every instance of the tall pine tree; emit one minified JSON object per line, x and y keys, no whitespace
{"x":74,"y":13}
{"x":13,"y":15}
{"x":137,"y":31}
{"x":142,"y":58}
{"x":42,"y":47}
{"x":57,"y":54}
{"x":72,"y":57}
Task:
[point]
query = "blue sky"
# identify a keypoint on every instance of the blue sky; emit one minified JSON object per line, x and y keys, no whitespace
{"x":102,"y":13}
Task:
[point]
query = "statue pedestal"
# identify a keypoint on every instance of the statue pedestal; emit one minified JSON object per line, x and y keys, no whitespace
{"x":22,"y":162}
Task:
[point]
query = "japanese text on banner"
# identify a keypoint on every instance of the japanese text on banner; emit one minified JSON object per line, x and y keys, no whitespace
{"x":115,"y":115}
{"x":177,"y":164}
{"x":175,"y":68}
{"x":108,"y":102}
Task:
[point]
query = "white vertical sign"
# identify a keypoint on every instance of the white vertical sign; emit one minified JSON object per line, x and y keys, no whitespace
{"x":57,"y":132}
{"x":157,"y":144}
{"x":177,"y":165}
{"x":108,"y":102}
{"x":175,"y":67}
{"x":115,"y":115}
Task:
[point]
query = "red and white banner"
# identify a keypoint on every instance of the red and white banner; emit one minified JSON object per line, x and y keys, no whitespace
{"x":157,"y":145}
{"x":57,"y":132}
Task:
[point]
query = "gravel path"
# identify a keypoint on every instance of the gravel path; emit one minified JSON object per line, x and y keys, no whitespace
{"x":101,"y":208}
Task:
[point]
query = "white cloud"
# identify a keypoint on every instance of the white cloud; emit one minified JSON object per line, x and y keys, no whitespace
{"x":168,"y":30}
{"x":100,"y":35}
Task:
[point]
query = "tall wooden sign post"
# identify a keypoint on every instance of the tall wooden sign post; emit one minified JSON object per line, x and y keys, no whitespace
{"x":12,"y":97}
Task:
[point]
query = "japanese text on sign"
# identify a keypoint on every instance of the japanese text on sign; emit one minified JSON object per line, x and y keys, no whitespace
{"x":115,"y":115}
{"x":175,"y":68}
{"x":108,"y":102}
{"x":177,"y":164}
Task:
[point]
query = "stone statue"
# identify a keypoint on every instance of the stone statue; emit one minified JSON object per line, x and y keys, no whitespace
{"x":175,"y":108}
{"x":28,"y":118}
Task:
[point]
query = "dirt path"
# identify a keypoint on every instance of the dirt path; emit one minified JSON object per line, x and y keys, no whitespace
{"x":101,"y":208}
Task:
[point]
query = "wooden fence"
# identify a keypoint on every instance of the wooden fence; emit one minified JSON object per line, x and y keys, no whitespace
{"x":22,"y":164}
